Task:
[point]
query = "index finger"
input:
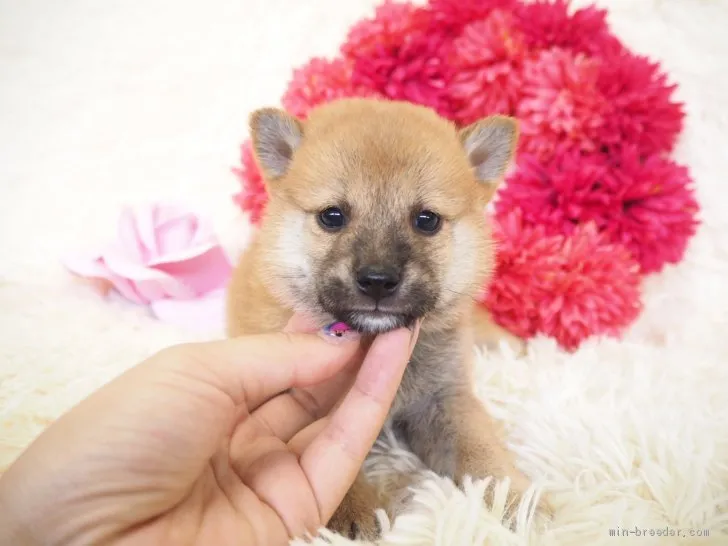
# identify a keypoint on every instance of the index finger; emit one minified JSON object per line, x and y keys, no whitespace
{"x":252,"y":369}
{"x":333,"y":459}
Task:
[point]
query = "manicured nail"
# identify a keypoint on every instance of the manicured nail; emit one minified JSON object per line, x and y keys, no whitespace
{"x":415,"y":334}
{"x":339,"y":332}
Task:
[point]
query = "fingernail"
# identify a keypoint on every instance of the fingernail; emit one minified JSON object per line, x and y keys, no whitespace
{"x":415,"y":334}
{"x":339,"y":332}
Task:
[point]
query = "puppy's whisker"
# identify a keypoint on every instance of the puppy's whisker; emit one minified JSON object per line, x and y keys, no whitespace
{"x":464,"y":295}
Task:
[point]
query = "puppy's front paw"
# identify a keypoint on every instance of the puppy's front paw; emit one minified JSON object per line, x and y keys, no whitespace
{"x":519,"y":484}
{"x":355,"y":517}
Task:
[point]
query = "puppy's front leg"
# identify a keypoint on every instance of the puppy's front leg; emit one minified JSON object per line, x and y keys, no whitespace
{"x":480,"y":448}
{"x":454,"y":436}
{"x":355,"y":517}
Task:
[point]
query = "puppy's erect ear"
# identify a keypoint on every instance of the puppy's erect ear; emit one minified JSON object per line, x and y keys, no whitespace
{"x":275,"y":135}
{"x":490,"y":145}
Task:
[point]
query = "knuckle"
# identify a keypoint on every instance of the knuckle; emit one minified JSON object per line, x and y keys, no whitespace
{"x":307,"y":402}
{"x":367,"y":391}
{"x":337,"y":434}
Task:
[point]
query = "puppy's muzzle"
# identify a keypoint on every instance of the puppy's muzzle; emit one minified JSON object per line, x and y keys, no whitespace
{"x":378,"y":281}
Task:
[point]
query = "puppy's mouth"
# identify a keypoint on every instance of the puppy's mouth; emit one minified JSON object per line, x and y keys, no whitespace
{"x":370,"y":316}
{"x":375,"y":321}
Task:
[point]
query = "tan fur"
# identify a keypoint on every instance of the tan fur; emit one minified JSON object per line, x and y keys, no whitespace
{"x":355,"y":517}
{"x":489,"y":334}
{"x":381,"y":159}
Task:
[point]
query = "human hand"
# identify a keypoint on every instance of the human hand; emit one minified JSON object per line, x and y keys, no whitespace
{"x":205,"y":444}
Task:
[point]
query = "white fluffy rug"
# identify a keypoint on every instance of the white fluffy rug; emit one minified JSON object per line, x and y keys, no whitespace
{"x":105,"y":103}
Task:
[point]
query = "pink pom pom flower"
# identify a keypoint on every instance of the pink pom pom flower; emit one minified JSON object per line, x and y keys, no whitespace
{"x":561,"y":103}
{"x":485,"y":62}
{"x":318,"y":82}
{"x":567,"y":287}
{"x":253,"y":195}
{"x":649,"y":206}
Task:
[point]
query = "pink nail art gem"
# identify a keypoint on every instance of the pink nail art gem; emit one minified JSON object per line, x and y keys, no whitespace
{"x":337,"y":329}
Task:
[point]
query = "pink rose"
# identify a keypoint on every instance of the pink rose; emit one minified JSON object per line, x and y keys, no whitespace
{"x":164,"y":256}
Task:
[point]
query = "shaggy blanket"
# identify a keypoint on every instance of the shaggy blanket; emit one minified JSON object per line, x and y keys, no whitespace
{"x":108,"y":103}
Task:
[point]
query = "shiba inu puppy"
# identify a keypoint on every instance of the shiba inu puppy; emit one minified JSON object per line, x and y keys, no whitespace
{"x":376,"y":219}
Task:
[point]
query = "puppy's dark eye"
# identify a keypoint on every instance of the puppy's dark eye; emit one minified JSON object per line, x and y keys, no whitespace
{"x":427,"y":222}
{"x":332,"y":218}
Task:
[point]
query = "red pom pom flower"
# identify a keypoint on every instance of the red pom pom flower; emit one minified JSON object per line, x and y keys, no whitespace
{"x":401,"y":53}
{"x":549,"y":24}
{"x":642,"y":110}
{"x":569,"y":287}
{"x":659,"y":209}
{"x":458,"y":13}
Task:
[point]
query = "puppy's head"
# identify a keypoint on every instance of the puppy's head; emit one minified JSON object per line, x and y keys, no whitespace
{"x":376,"y":209}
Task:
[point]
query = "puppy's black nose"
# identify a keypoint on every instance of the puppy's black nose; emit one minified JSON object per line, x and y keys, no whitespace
{"x":377,"y":281}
